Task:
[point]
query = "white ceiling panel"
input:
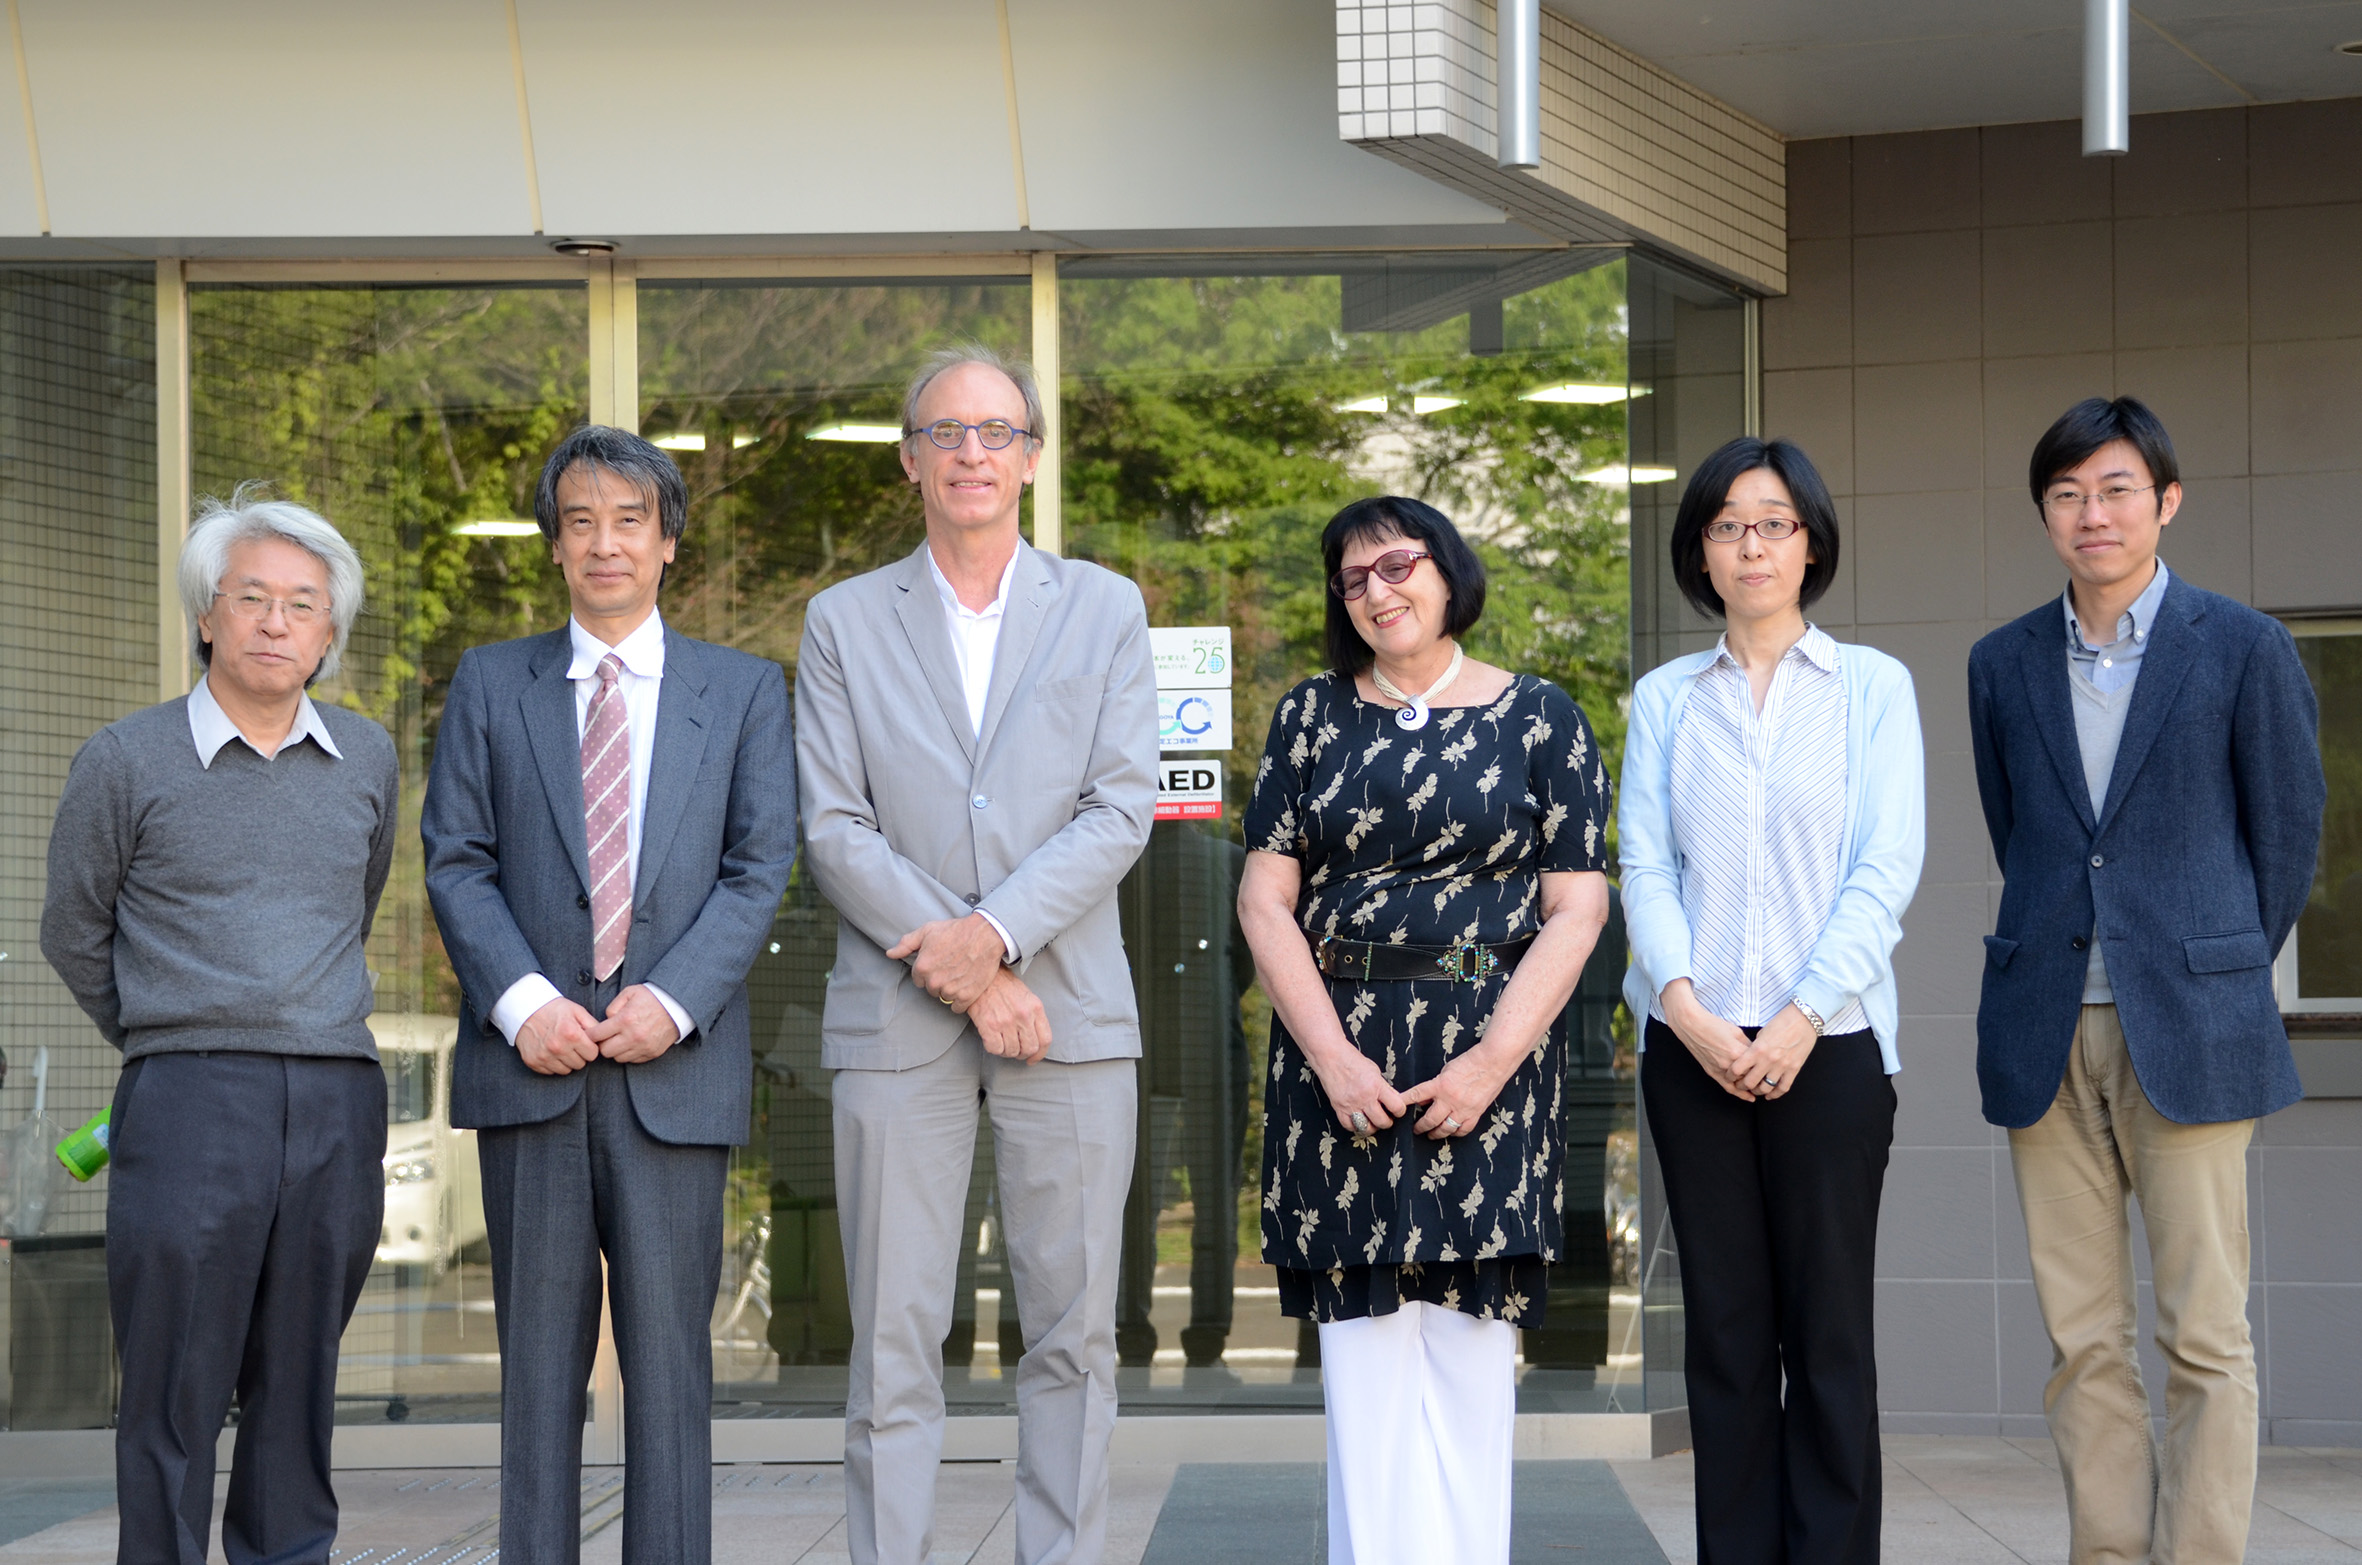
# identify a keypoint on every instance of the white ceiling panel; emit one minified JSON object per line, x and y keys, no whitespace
{"x":1855,"y":67}
{"x":297,"y":117}
{"x":735,"y":117}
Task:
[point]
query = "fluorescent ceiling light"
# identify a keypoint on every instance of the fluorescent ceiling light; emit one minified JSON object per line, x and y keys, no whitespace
{"x":1426,"y":405}
{"x":743,"y":439}
{"x":1576,"y":391}
{"x":866,"y":434}
{"x":1376,"y":404}
{"x":496,"y":529}
{"x":680,"y":442}
{"x":1618,"y":473}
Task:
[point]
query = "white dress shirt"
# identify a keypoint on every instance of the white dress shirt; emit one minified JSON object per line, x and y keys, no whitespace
{"x":641,"y":685}
{"x":975,"y":637}
{"x":1759,"y":814}
{"x":211,"y":727}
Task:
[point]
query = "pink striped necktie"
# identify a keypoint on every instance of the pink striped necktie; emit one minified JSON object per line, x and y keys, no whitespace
{"x":606,"y":813}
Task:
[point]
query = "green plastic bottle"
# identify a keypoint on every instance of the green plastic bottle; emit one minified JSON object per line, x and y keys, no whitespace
{"x":84,"y":1152}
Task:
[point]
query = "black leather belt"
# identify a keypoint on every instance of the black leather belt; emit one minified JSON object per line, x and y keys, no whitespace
{"x":1463,"y":961}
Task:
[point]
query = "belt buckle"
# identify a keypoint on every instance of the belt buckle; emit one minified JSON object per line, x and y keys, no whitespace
{"x":1467,"y":961}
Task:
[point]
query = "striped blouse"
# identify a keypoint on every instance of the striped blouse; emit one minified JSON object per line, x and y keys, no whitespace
{"x":1758,"y":807}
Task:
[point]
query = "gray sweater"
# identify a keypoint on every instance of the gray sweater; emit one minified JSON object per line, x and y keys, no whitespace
{"x":193,"y":908}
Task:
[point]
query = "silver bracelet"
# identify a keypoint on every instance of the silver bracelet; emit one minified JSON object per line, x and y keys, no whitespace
{"x":1819,"y":1027}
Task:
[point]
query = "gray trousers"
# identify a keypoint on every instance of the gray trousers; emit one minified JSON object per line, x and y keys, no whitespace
{"x":243,"y":1206}
{"x":556,"y":1196}
{"x":1062,"y":1142}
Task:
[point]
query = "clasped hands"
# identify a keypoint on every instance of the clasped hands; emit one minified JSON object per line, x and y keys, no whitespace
{"x":562,"y":1037}
{"x":1752,"y":1070}
{"x":959,"y":962}
{"x":1455,"y":1097}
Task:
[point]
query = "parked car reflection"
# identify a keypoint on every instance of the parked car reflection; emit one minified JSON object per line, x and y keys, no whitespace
{"x":434,"y":1190}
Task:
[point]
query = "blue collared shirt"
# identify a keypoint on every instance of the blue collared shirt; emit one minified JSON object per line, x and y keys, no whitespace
{"x":2111,"y":667}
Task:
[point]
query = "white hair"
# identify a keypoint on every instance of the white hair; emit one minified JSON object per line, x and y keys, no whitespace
{"x":249,"y":518}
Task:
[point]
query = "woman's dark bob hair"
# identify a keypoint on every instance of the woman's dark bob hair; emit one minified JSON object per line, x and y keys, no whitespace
{"x":1413,"y":521}
{"x":1710,"y":486}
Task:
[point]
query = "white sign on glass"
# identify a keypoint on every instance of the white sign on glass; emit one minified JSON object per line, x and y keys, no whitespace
{"x":1189,"y":790}
{"x":1191,"y":657}
{"x":1193,"y":719}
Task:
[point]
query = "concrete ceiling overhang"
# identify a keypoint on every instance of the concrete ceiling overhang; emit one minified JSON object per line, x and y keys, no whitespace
{"x":1811,"y":68}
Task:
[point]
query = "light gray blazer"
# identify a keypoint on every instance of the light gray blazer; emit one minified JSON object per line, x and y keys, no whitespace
{"x":908,"y":816}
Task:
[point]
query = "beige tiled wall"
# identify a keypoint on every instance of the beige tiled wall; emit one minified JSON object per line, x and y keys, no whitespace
{"x":1950,"y":293}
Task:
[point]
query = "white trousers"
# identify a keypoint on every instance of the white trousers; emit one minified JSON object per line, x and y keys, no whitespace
{"x":1422,"y":1409}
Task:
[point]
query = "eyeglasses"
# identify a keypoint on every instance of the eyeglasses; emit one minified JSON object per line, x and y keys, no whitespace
{"x":1771,"y":529}
{"x":1393,"y":568}
{"x":994,"y":434}
{"x":253,"y":605}
{"x":2114,"y":498}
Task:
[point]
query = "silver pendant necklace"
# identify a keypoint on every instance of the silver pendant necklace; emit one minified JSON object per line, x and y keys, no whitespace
{"x":1414,"y":712}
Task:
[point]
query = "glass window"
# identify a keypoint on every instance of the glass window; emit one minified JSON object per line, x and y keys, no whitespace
{"x":78,"y":638}
{"x":783,"y":404}
{"x":415,"y":419}
{"x":1216,"y":415}
{"x":2321,"y":967}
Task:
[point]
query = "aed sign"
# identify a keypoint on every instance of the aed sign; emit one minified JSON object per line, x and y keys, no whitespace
{"x":1193,"y":719}
{"x":1191,"y":657}
{"x":1189,"y":790}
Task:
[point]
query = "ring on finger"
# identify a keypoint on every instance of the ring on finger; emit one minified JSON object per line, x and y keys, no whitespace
{"x":1451,"y":1124}
{"x":1361,"y":1122}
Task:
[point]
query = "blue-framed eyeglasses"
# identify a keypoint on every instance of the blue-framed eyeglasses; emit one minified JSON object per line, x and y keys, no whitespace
{"x":994,"y":434}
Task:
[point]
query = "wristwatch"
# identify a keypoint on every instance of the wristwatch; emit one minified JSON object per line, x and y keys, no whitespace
{"x":1819,"y":1026}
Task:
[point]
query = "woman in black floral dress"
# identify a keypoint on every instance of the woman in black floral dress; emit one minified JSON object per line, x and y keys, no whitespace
{"x":1424,"y":883}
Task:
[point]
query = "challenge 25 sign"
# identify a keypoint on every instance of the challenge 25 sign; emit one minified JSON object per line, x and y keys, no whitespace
{"x":1192,"y":713}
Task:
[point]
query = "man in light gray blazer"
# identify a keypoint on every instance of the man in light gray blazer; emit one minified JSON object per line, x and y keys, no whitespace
{"x":609,"y":827}
{"x":978,"y":747}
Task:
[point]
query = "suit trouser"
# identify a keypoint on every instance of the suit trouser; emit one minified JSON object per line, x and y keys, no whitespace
{"x":1062,"y":1145}
{"x":242,"y":1216}
{"x":556,"y":1196}
{"x":1775,"y":1211}
{"x":2101,"y":1139}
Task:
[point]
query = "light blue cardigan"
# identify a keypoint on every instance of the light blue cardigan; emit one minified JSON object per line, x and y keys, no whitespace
{"x":1885,"y":839}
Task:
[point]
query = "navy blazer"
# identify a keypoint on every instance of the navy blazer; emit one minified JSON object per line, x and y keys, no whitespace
{"x":508,"y":871}
{"x":2194,"y":868}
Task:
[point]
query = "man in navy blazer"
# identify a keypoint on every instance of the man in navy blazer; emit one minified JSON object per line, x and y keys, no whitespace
{"x":2147,"y":758}
{"x":609,"y":826}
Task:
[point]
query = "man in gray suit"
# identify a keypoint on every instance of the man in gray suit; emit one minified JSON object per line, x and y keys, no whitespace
{"x":978,"y":747}
{"x":609,"y":826}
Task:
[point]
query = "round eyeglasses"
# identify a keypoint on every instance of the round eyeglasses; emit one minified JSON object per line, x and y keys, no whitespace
{"x":2116,"y":497}
{"x":994,"y":434}
{"x":1393,"y":568}
{"x":1771,"y":529}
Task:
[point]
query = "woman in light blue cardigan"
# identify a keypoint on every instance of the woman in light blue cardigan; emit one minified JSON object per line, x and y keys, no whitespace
{"x":1772,"y":819}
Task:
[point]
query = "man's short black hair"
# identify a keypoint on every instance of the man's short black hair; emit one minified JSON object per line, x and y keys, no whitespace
{"x":1413,"y":521}
{"x":646,"y":467}
{"x":1710,"y":486}
{"x":2093,"y":423}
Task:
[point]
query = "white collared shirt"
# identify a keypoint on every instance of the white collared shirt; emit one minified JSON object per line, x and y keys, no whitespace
{"x":975,"y":635}
{"x":211,"y":727}
{"x":975,"y":638}
{"x":1759,"y":814}
{"x":642,"y":686}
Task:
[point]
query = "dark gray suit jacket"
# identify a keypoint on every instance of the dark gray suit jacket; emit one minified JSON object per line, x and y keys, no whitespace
{"x":2194,"y":867}
{"x":508,"y":870}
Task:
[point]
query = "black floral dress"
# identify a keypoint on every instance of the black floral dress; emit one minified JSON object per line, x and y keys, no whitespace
{"x":1421,"y":837}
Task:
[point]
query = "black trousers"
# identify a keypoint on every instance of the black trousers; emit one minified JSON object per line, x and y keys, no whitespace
{"x":243,"y":1207}
{"x":557,"y":1196}
{"x":1775,"y":1211}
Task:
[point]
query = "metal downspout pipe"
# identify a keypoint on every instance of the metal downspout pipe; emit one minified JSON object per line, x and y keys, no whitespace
{"x":1517,"y":51}
{"x":2107,"y":131}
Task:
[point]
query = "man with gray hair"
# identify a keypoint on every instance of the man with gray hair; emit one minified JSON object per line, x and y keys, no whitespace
{"x":978,"y":751}
{"x":213,"y":871}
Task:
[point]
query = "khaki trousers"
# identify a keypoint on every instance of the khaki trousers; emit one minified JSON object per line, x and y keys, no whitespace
{"x":2101,"y":1139}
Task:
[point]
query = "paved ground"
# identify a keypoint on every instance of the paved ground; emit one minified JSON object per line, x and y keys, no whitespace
{"x":1949,"y":1501}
